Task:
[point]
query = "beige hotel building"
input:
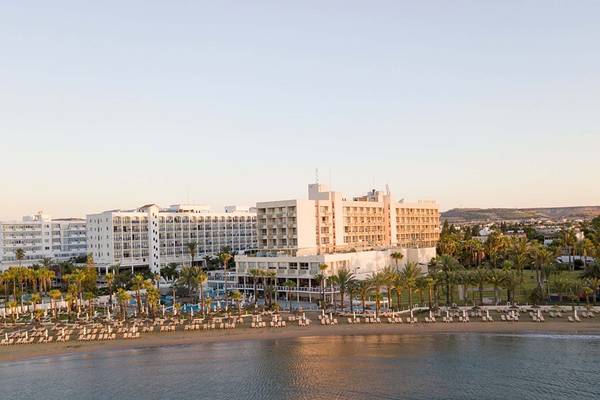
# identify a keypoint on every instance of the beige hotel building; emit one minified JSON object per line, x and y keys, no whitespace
{"x":294,"y":237}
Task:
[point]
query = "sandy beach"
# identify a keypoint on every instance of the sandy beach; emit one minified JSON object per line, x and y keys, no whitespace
{"x":149,"y":340}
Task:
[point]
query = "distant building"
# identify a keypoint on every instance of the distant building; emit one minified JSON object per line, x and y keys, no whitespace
{"x":40,"y":236}
{"x":152,"y":237}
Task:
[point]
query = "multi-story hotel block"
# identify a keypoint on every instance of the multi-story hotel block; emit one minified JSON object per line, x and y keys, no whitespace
{"x":40,"y":236}
{"x":151,"y":237}
{"x":296,"y":236}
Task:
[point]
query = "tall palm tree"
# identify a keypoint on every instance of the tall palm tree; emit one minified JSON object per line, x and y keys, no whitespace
{"x":19,"y":255}
{"x":398,"y":285}
{"x":255,"y":273}
{"x":201,"y":279}
{"x":430,"y":282}
{"x":55,"y":295}
{"x":123,"y":298}
{"x":188,"y":277}
{"x":152,"y":297}
{"x":495,"y":277}
{"x":510,"y":279}
{"x":323,"y":280}
{"x":397,"y":257}
{"x":447,"y":265}
{"x":389,"y":276}
{"x":225,"y":257}
{"x":289,"y":285}
{"x":343,"y":279}
{"x":377,"y":280}
{"x":364,"y":289}
{"x":410,"y":275}
{"x":480,"y":277}
{"x":192,"y":248}
{"x":139,"y":283}
{"x":237,"y":297}
{"x":110,"y":278}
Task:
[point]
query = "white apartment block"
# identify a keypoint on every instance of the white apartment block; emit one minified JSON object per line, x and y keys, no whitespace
{"x":151,"y":237}
{"x":40,"y":236}
{"x":296,"y":236}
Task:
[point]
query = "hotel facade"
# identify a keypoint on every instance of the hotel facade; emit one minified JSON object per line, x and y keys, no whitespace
{"x":40,"y":236}
{"x":295,"y":237}
{"x":152,"y":237}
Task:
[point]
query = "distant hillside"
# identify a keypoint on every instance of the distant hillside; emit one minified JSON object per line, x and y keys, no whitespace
{"x":458,"y":215}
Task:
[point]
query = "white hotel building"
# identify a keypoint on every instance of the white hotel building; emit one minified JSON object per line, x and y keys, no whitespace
{"x":40,"y":236}
{"x":296,"y":236}
{"x":151,"y":237}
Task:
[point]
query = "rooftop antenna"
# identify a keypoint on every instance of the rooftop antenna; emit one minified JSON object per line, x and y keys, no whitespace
{"x":387,"y":189}
{"x":317,"y":176}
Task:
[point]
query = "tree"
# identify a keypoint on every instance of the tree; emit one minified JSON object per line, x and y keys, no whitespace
{"x":397,"y":257}
{"x":409,"y":277}
{"x":430,"y":282}
{"x":377,"y":280}
{"x":343,"y":279}
{"x":389,"y":278}
{"x":152,"y":297}
{"x":495,"y":277}
{"x":289,"y":285}
{"x":139,"y":283}
{"x":55,"y":295}
{"x":35,"y":299}
{"x":123,"y":298}
{"x":188,"y":277}
{"x":169,"y":272}
{"x":201,"y":279}
{"x":225,"y":257}
{"x":510,"y":279}
{"x":237,"y":297}
{"x":322,"y":270}
{"x":255,"y":273}
{"x":19,"y":255}
{"x":192,"y":248}
{"x":364,"y":289}
{"x":447,"y":265}
{"x":480,"y":277}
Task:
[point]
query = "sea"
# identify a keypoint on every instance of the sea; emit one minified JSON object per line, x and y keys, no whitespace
{"x":434,"y":366}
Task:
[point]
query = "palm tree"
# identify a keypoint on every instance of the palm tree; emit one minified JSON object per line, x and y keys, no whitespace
{"x":237,"y":297}
{"x":430,"y":282}
{"x":397,"y":257}
{"x":322,"y":269}
{"x":389,"y":276}
{"x":110,"y":278}
{"x":188,"y":277}
{"x":377,"y":280}
{"x":289,"y":285}
{"x":409,"y":276}
{"x":123,"y":298}
{"x":398,"y":285}
{"x":255,"y":273}
{"x":352,"y":289}
{"x":192,"y":248}
{"x":343,"y":279}
{"x":139,"y":283}
{"x":89,"y":297}
{"x":225,"y":257}
{"x":152,"y":297}
{"x":201,"y":279}
{"x":319,"y":279}
{"x":35,"y":299}
{"x":55,"y":295}
{"x":364,"y":289}
{"x":19,"y":255}
{"x":510,"y":279}
{"x":594,"y":284}
{"x":480,"y":277}
{"x":447,"y":266}
{"x":495,"y":278}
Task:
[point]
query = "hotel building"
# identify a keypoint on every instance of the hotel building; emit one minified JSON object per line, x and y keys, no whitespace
{"x":151,"y":237}
{"x":296,"y":236}
{"x":40,"y":236}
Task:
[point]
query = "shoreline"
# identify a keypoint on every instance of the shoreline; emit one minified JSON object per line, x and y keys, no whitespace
{"x":156,"y":340}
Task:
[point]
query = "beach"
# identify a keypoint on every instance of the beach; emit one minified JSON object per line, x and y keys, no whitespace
{"x":150,"y":340}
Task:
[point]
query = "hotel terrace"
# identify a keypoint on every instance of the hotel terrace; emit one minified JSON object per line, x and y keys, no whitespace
{"x":296,"y":236}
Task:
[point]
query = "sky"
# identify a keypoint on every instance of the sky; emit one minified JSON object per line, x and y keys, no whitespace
{"x":116,"y":104}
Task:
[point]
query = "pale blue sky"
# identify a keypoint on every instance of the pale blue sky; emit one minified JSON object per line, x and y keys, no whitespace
{"x":114,"y":104}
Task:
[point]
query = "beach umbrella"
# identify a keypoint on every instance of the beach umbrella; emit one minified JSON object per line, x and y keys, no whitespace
{"x":447,"y":313}
{"x":46,"y":333}
{"x":108,"y":313}
{"x":487,"y":313}
{"x":575,"y":312}
{"x":192,"y":312}
{"x":163,"y":310}
{"x":6,"y":336}
{"x":109,"y":329}
{"x":539,"y":313}
{"x":411,"y":313}
{"x":353,"y":314}
{"x":63,"y":332}
{"x":32,"y":315}
{"x":45,"y":312}
{"x":84,"y":330}
{"x":26,"y":335}
{"x":303,"y":316}
{"x":430,"y":314}
{"x":323,"y":313}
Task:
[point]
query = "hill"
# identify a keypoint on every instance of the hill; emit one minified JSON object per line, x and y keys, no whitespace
{"x":466,"y":215}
